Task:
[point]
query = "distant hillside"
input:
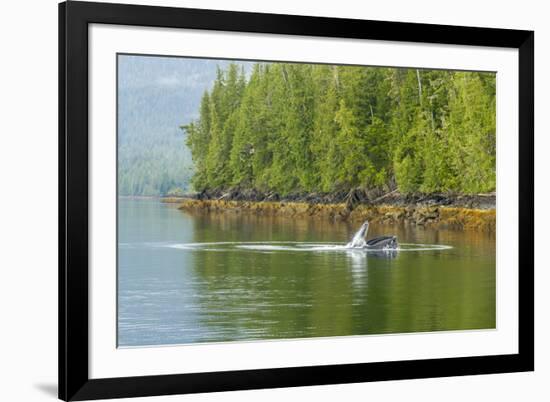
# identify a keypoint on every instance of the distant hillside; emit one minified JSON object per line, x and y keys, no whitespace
{"x":156,"y":95}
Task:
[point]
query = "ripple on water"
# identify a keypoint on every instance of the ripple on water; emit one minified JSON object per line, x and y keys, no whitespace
{"x":275,"y":246}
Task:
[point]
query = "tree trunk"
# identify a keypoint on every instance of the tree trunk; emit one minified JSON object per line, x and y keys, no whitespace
{"x":419,"y":86}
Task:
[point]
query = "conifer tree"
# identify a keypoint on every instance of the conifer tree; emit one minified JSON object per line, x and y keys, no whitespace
{"x":294,"y":128}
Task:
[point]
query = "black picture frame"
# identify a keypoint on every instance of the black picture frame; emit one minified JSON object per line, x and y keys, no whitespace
{"x":74,"y":381}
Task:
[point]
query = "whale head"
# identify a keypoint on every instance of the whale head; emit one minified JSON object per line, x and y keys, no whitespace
{"x":362,"y":232}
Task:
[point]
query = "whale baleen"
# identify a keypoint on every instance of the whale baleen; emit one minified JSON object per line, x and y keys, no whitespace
{"x":377,"y":243}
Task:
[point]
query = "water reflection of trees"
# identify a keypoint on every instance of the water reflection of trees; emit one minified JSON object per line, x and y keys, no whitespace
{"x":259,"y":295}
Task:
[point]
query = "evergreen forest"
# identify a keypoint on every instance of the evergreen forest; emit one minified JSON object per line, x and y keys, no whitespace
{"x":303,"y":128}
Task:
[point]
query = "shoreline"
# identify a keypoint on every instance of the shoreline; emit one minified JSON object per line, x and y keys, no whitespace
{"x":454,"y":215}
{"x":350,"y":198}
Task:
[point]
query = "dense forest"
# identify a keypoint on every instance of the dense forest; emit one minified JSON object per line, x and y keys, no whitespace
{"x":294,"y":128}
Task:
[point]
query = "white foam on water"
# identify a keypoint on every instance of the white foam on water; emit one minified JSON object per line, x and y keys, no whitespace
{"x":297,"y":247}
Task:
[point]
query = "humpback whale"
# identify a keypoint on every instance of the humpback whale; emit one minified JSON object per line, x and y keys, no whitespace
{"x":377,"y":243}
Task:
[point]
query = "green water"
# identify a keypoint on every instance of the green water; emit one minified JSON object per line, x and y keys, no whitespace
{"x":227,"y":277}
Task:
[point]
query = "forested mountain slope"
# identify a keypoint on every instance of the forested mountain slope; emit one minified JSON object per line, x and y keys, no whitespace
{"x":156,"y":95}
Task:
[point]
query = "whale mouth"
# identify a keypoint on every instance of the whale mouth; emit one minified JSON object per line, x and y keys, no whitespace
{"x":358,"y":240}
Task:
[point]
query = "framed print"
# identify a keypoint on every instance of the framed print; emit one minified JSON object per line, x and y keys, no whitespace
{"x":258,"y":201}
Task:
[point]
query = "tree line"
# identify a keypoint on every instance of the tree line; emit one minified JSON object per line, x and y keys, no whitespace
{"x":294,"y":128}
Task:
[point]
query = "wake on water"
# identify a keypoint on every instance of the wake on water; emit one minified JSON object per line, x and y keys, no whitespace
{"x":274,"y":246}
{"x":355,"y":245}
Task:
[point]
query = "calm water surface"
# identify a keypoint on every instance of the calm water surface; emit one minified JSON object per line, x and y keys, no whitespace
{"x":213,"y":278}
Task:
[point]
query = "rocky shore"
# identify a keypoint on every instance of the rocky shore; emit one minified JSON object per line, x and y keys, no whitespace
{"x":461,"y":212}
